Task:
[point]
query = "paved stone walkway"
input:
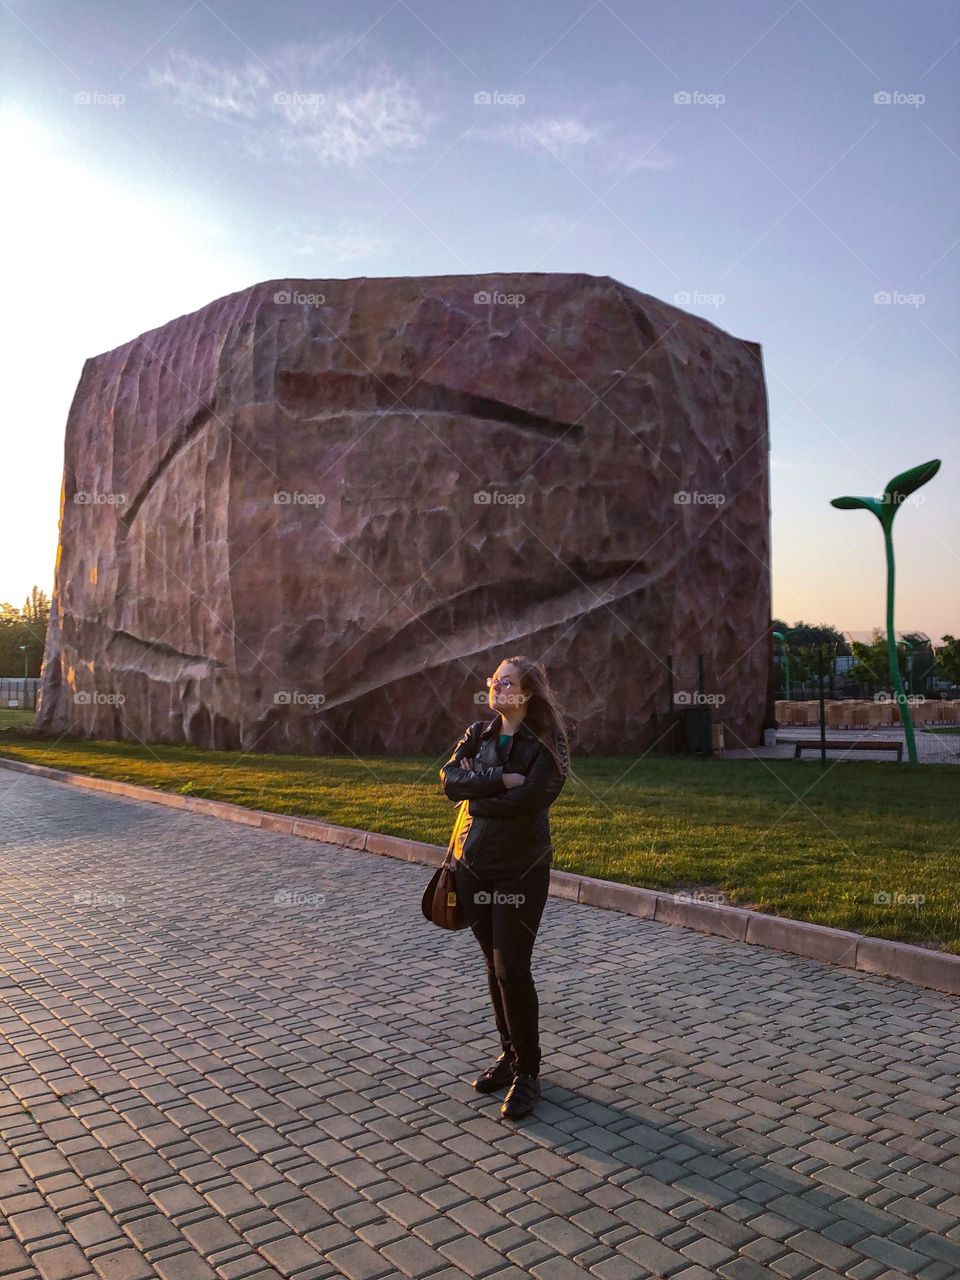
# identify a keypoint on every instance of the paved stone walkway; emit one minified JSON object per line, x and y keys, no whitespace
{"x":226,"y":1052}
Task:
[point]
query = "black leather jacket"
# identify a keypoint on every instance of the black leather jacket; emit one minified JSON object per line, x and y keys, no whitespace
{"x":504,"y":830}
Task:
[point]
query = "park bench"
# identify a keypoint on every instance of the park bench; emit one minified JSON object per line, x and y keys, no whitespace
{"x":838,"y":744}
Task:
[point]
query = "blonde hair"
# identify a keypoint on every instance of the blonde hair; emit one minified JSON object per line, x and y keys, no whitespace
{"x":545,"y":714}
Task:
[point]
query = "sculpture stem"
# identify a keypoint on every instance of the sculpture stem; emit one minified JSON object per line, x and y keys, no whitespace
{"x":905,"y":718}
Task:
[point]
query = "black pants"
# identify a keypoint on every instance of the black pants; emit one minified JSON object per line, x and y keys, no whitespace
{"x":504,"y":914}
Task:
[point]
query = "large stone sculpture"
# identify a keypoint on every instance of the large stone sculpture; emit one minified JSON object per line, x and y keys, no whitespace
{"x":315,"y":514}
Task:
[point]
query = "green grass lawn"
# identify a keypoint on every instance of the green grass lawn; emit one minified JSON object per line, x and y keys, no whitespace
{"x":779,"y":836}
{"x":11,"y":717}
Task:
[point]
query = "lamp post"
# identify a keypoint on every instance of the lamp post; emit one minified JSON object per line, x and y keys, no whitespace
{"x":785,"y":655}
{"x":885,"y":508}
{"x":26,"y":667}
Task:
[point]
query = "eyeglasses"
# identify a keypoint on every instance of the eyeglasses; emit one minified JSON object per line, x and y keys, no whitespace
{"x":498,"y":684}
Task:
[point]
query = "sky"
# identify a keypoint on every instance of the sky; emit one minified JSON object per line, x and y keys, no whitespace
{"x":789,"y":170}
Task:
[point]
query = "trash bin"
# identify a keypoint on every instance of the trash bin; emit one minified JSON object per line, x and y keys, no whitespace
{"x":698,"y":732}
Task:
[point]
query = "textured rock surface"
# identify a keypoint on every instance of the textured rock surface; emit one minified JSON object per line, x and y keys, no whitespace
{"x":270,"y":534}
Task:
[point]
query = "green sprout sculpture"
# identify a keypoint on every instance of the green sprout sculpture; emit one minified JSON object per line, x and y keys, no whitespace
{"x":885,"y":508}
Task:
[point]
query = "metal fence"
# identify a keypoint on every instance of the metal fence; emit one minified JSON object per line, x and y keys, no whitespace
{"x":15,"y":691}
{"x":846,"y":722}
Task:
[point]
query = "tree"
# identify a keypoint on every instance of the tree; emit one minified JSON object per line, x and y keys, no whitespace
{"x":36,"y":608}
{"x":871,"y":665}
{"x":804,"y":641}
{"x":806,"y":634}
{"x":948,"y":660}
{"x":26,"y":626}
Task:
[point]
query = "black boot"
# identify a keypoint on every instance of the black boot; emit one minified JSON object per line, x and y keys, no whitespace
{"x":522,"y":1096}
{"x":497,"y":1076}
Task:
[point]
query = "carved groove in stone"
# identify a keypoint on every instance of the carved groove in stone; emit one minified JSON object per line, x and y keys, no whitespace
{"x":183,"y":435}
{"x":365,"y":394}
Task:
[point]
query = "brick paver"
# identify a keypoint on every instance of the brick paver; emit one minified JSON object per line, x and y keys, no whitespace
{"x":229,"y":1052}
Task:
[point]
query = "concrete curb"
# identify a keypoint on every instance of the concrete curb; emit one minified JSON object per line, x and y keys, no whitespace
{"x":935,"y":969}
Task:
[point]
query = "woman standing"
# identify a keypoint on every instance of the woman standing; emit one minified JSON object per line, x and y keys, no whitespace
{"x":509,"y":770}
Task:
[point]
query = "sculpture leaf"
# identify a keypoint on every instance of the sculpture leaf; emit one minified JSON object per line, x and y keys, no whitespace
{"x":908,"y":482}
{"x":849,"y":504}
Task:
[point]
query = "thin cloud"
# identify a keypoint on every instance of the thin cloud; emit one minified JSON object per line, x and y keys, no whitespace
{"x":547,"y":226}
{"x":574,"y":141}
{"x":290,"y":107}
{"x":557,"y":133}
{"x":345,"y":244}
{"x":199,"y":89}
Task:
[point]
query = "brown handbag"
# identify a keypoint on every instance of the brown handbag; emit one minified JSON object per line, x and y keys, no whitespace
{"x":440,"y":903}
